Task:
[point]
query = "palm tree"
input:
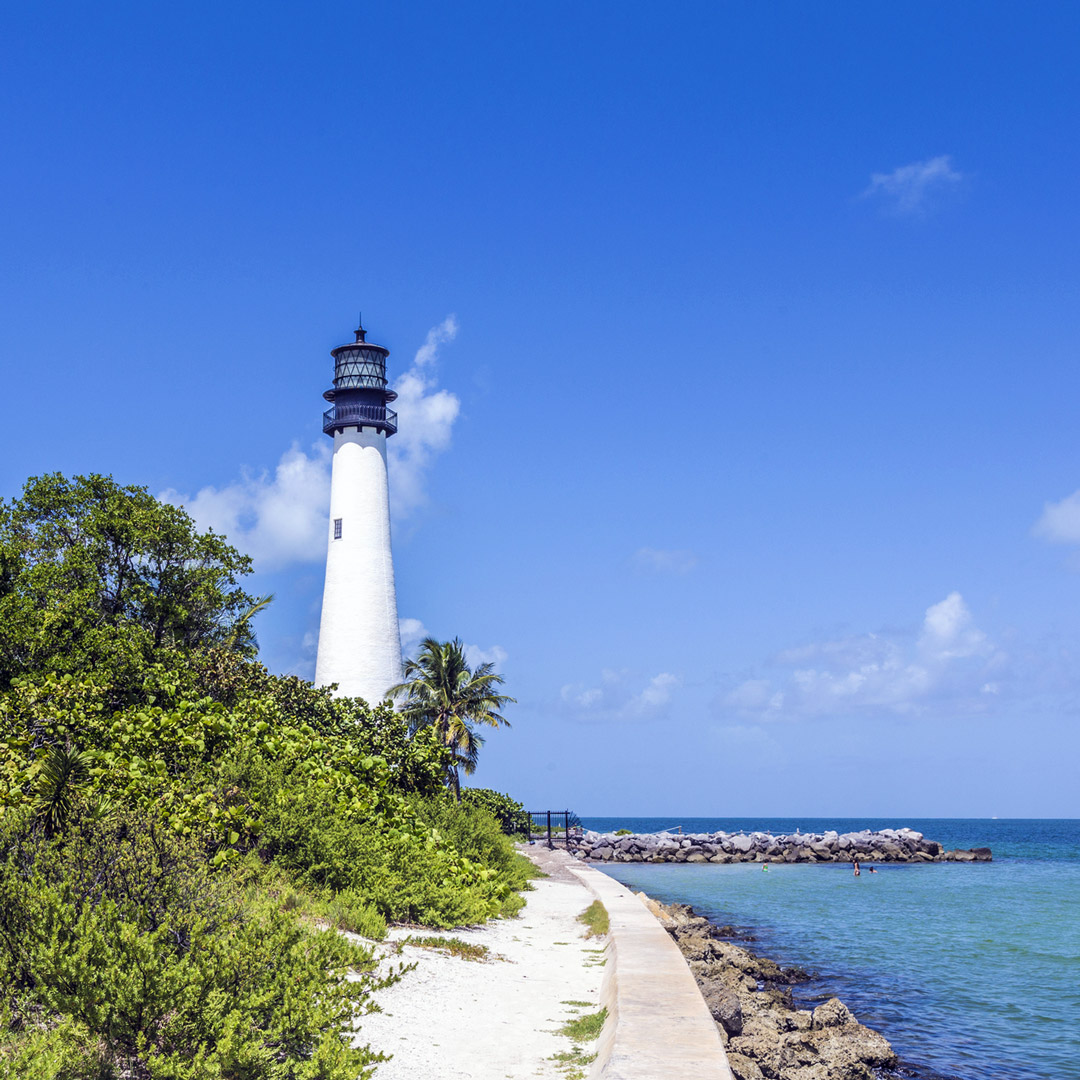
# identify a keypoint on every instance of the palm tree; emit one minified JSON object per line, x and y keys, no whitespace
{"x":441,"y":691}
{"x":240,"y":637}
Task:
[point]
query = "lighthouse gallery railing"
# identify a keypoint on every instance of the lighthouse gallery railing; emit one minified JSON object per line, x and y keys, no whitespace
{"x":360,"y":415}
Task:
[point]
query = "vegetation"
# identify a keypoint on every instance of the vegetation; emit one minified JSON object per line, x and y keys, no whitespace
{"x":595,"y":918}
{"x":584,"y":1028}
{"x":511,"y":815}
{"x":464,"y":950}
{"x":182,"y":833}
{"x":574,"y":1062}
{"x":443,"y":693}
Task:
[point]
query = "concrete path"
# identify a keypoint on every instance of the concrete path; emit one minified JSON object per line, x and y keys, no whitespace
{"x":659,"y":1027}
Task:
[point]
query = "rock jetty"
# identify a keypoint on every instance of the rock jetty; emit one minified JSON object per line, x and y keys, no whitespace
{"x":888,"y":845}
{"x":766,"y":1036}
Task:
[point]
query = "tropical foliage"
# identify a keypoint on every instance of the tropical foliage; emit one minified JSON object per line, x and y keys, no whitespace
{"x":442,"y":692}
{"x":512,"y":817}
{"x":180,"y":829}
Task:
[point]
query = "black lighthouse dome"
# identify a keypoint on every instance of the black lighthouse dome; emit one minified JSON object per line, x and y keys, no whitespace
{"x":360,"y":394}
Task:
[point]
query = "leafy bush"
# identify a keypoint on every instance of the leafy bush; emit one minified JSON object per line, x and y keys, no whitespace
{"x":511,"y":815}
{"x":346,"y":911}
{"x":122,"y":931}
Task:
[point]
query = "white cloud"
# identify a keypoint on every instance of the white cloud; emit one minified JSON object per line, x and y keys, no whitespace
{"x":664,"y":561}
{"x":620,"y":696}
{"x":426,"y":416}
{"x":277,"y":518}
{"x":948,"y":663}
{"x":495,"y":655}
{"x":412,"y":632}
{"x":1060,"y":521}
{"x":280,"y":518}
{"x":909,"y":188}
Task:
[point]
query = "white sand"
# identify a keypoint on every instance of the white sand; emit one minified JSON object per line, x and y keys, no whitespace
{"x":497,"y":1019}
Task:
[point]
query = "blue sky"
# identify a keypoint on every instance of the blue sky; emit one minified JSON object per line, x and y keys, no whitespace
{"x":736,"y":343}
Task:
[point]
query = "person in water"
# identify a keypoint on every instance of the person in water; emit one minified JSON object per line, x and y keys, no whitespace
{"x":857,"y":870}
{"x":871,"y":870}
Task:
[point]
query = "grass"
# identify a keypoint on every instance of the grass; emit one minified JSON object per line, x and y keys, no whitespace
{"x":585,"y":1028}
{"x":578,"y":1004}
{"x":464,"y":950}
{"x":595,"y":918}
{"x":529,"y":869}
{"x":572,"y":1063}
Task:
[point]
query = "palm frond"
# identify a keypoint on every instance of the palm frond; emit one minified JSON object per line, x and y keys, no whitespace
{"x":63,"y":769}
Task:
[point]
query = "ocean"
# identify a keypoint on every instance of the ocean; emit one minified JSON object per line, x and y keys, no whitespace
{"x":971,"y":970}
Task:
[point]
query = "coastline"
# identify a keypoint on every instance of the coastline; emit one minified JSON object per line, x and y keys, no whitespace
{"x":768,"y":1033}
{"x":718,"y":941}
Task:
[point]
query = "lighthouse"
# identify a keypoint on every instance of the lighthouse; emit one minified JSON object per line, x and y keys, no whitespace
{"x":359,"y":640}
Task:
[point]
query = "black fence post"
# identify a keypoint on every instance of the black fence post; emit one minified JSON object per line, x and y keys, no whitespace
{"x":551,"y":846}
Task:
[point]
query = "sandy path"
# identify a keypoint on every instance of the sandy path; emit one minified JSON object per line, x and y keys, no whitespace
{"x":498,"y":1019}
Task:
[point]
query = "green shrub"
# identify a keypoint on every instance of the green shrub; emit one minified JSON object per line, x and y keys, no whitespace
{"x":120,"y":931}
{"x":346,"y":911}
{"x":511,"y":816}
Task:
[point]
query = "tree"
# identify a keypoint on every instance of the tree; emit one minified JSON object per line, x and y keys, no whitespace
{"x":98,"y":576}
{"x":442,"y":692}
{"x":240,"y":638}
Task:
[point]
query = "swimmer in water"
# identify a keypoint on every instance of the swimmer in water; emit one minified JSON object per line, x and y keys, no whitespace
{"x":857,"y":870}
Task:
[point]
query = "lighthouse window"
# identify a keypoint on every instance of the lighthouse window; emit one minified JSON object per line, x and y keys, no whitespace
{"x":337,"y":528}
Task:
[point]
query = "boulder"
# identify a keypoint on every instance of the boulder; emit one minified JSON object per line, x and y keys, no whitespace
{"x":834,"y":1013}
{"x":724,"y":1004}
{"x":806,"y":1072}
{"x":742,"y":1067}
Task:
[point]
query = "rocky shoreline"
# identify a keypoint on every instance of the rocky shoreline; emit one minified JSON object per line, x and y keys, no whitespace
{"x":766,"y":1036}
{"x":888,"y":845}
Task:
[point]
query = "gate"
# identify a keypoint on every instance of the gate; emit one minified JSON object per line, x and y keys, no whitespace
{"x":551,"y":826}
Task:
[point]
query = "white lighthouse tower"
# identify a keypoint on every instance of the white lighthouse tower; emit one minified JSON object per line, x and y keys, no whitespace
{"x":359,"y":640}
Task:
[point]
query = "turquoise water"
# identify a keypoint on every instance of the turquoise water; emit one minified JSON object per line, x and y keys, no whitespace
{"x":970,"y":970}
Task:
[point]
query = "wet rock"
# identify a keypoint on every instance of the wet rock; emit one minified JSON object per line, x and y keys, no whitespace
{"x":959,"y":856}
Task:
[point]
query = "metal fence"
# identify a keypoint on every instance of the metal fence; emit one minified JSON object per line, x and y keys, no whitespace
{"x":555,"y":826}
